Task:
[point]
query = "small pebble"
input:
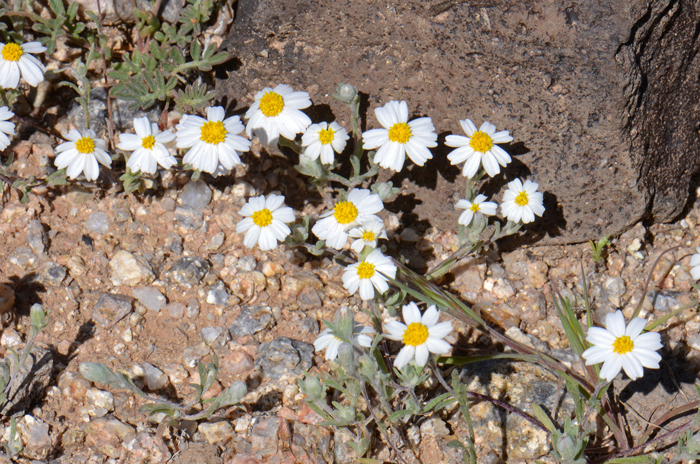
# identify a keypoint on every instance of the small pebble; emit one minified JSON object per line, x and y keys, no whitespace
{"x":154,"y":378}
{"x":150,"y":297}
{"x":98,"y":222}
{"x":129,"y":269}
{"x":196,"y":195}
{"x":176,"y":310}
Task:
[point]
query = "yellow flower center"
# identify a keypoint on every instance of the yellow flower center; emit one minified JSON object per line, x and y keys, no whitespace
{"x":148,"y":142}
{"x":368,"y":236}
{"x":271,"y":104}
{"x":481,"y":142}
{"x":262,"y":218}
{"x":416,"y":334}
{"x":365,"y":270}
{"x":12,"y":52}
{"x":345,"y":212}
{"x":522,"y":199}
{"x":400,"y":132}
{"x":623,"y":345}
{"x":326,"y":136}
{"x":213,"y":132}
{"x":475,"y":207}
{"x":85,"y":145}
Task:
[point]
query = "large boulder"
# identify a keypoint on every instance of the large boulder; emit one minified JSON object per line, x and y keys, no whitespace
{"x":601,"y":97}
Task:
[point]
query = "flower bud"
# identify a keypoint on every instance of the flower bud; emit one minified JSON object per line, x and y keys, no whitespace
{"x":312,"y":388}
{"x":346,"y":93}
{"x":566,"y":448}
{"x":346,"y":356}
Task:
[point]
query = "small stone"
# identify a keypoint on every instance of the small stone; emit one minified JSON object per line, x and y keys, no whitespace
{"x":216,"y":433}
{"x":308,"y":325}
{"x":409,"y":235}
{"x":111,"y":308}
{"x":309,"y":299}
{"x":217,"y":294}
{"x":237,"y":362}
{"x":173,"y":243}
{"x":471,"y":280}
{"x":99,"y":402}
{"x":168,"y":204}
{"x":250,"y":320}
{"x":270,"y":269}
{"x":121,"y":215}
{"x":73,"y":386}
{"x":10,"y":338}
{"x":154,"y":378}
{"x":434,"y":427}
{"x":105,"y":435}
{"x":191,"y":356}
{"x":188,"y":271}
{"x":196,"y":195}
{"x":266,"y":435}
{"x":129,"y":269}
{"x":242,"y":189}
{"x":189,"y":218}
{"x":176,"y":310}
{"x":665,"y":301}
{"x":537,"y":273}
{"x":35,"y":435}
{"x":64,"y":347}
{"x":7,"y":298}
{"x":50,"y":274}
{"x":211,"y":334}
{"x":98,"y":222}
{"x":175,"y":372}
{"x":216,"y":241}
{"x":503,"y":289}
{"x":694,"y":341}
{"x":284,"y":357}
{"x":35,"y":236}
{"x":614,"y":288}
{"x":246,"y":264}
{"x":192,"y":308}
{"x":150,"y":297}
{"x":23,"y":257}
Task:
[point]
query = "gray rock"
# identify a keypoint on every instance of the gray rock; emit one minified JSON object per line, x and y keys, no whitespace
{"x":154,"y":378}
{"x":284,"y":357}
{"x":106,"y":434}
{"x":246,"y":263}
{"x":176,"y":310}
{"x":251,"y":320}
{"x":35,"y":236}
{"x":98,"y":222}
{"x":309,"y":299}
{"x":111,"y":308}
{"x":606,"y":75}
{"x":191,"y":356}
{"x":665,"y":301}
{"x":192,"y":308}
{"x":308,"y":325}
{"x":31,"y":382}
{"x":217,"y":294}
{"x":615,"y":288}
{"x":187,"y":271}
{"x":150,"y":297}
{"x":196,"y":195}
{"x":129,"y":269}
{"x":23,"y":257}
{"x":36,"y":435}
{"x":173,"y":243}
{"x":189,"y":218}
{"x":121,"y":215}
{"x":211,"y":334}
{"x":50,"y":274}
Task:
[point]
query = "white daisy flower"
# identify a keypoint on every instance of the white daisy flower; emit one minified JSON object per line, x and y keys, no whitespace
{"x":421,"y":335}
{"x":328,"y":340}
{"x":148,"y":148}
{"x":695,"y":263}
{"x":16,"y":60}
{"x":6,"y":127}
{"x":367,"y":275}
{"x":619,"y":347}
{"x":213,"y":141}
{"x":367,"y":234}
{"x":358,"y":208}
{"x":479,"y":147}
{"x":400,"y":137}
{"x":265,"y":222}
{"x":277,"y":112}
{"x":487,"y":208}
{"x":522,"y":201}
{"x":81,"y":154}
{"x":323,"y":139}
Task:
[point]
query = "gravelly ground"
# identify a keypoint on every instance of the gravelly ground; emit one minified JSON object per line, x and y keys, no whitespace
{"x":161,"y":281}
